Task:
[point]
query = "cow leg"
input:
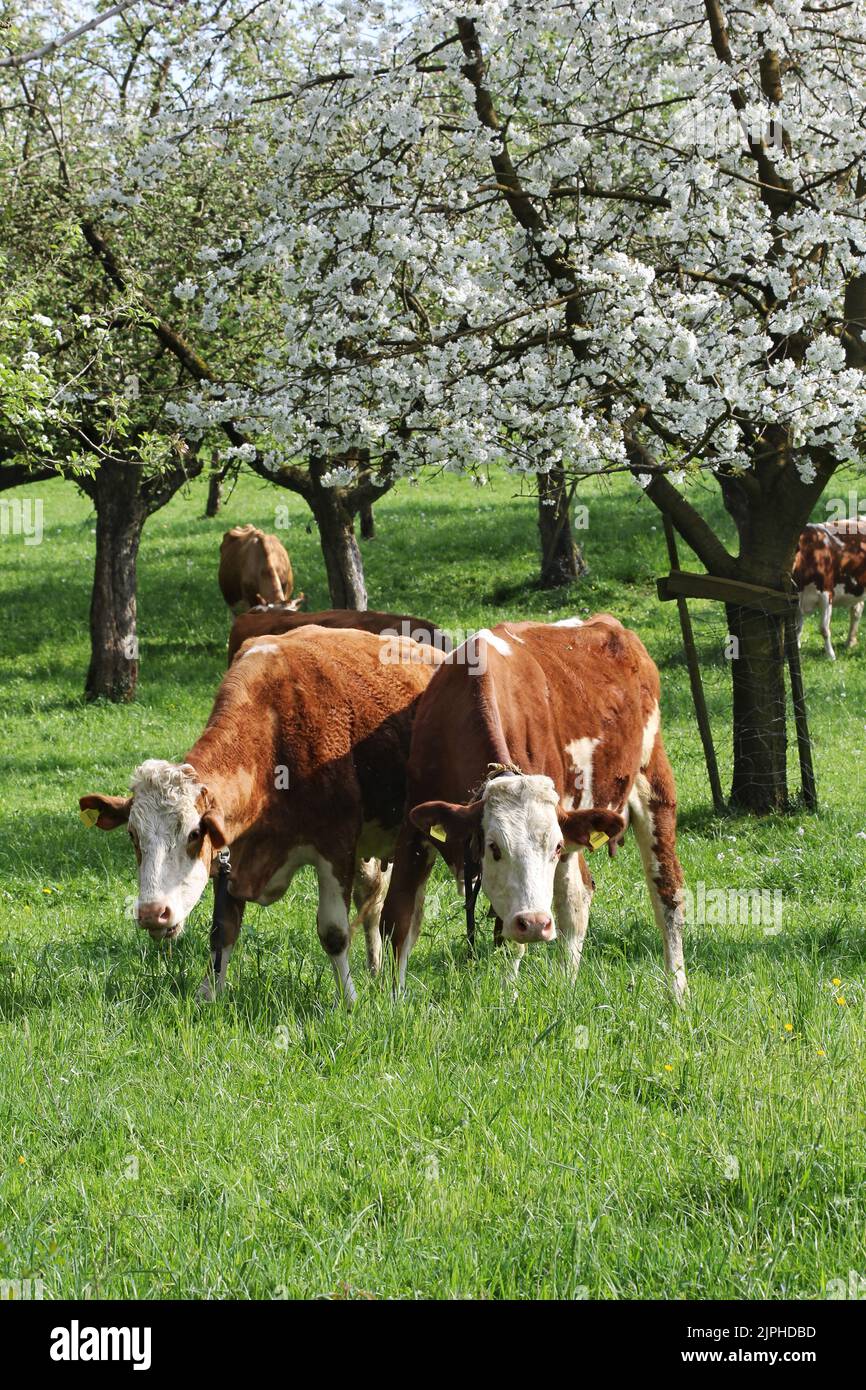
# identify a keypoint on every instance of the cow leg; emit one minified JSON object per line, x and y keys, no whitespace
{"x":332,"y":924}
{"x":369,"y":890}
{"x":222,"y":943}
{"x":572,"y":896}
{"x":856,"y":615}
{"x":653,"y":807}
{"x":404,"y":904}
{"x":826,"y":615}
{"x":800,"y":618}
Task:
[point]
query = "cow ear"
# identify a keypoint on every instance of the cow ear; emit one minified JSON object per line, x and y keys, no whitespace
{"x":593,"y":827}
{"x":213,"y":825}
{"x":107,"y":812}
{"x":447,"y":820}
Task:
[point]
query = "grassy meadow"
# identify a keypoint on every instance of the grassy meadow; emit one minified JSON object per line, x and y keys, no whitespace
{"x":588,"y":1142}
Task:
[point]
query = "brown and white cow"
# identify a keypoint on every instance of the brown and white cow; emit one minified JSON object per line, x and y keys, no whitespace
{"x":303,"y":761}
{"x":261,"y":621}
{"x":254,"y":568}
{"x":532,"y":739}
{"x":830,"y":572}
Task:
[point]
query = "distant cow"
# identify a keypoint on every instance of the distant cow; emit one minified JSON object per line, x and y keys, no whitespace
{"x":531,"y":742}
{"x":303,"y":761}
{"x":830,"y":572}
{"x":260,"y":622}
{"x":254,"y":568}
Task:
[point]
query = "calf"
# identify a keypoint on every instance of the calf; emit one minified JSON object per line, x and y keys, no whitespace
{"x":261,"y":621}
{"x":303,"y":761}
{"x":254,"y":568}
{"x":830,"y":571}
{"x":529,"y":745}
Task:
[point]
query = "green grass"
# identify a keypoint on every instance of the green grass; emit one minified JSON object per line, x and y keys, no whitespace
{"x":588,"y":1141}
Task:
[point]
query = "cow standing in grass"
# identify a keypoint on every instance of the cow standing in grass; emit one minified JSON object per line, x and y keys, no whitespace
{"x":254,"y":568}
{"x":830,"y":572}
{"x":531,"y":741}
{"x":303,"y":761}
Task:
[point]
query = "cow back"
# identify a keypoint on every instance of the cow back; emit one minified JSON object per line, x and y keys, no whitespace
{"x":277,"y":621}
{"x":546,"y":698}
{"x":316,"y":727}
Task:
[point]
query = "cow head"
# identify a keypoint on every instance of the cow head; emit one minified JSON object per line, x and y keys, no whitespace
{"x":521,"y":833}
{"x":176,"y":828}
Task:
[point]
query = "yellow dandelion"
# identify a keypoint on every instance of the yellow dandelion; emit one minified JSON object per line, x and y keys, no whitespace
{"x":668,"y":1066}
{"x":840,"y":999}
{"x":836,"y":980}
{"x":821,"y":1052}
{"x":21,"y":1158}
{"x":47,"y":890}
{"x":789,"y":1027}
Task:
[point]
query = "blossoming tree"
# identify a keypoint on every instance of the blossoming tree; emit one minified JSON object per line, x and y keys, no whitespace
{"x":581,"y":237}
{"x":572,"y":238}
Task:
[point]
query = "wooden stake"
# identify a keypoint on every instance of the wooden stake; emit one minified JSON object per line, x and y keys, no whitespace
{"x":719,"y":804}
{"x":798,"y":699}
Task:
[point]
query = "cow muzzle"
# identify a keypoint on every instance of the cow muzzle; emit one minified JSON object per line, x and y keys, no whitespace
{"x":159,"y":919}
{"x":530,"y":926}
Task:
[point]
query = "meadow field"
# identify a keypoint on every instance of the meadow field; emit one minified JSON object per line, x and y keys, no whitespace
{"x":459,"y":1143}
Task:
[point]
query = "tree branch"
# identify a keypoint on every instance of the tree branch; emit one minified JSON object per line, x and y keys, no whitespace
{"x":691,"y":525}
{"x":192,"y":362}
{"x":17,"y":60}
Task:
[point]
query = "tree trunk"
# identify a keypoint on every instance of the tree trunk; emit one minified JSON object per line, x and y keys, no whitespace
{"x":760,"y":782}
{"x":120,"y":516}
{"x":214,"y":494}
{"x":561,"y":560}
{"x":769,"y":507}
{"x":343,"y":563}
{"x":368,"y":522}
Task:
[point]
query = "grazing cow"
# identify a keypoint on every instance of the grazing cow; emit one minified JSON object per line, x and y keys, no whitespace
{"x":260,"y":622}
{"x":532,"y":741}
{"x":254,"y":568}
{"x":830,"y":571}
{"x":303,"y":761}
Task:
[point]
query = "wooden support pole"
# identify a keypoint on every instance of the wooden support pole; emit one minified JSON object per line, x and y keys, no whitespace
{"x":798,"y":699}
{"x":719,"y":804}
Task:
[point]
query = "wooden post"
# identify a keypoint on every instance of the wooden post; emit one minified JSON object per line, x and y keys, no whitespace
{"x":798,"y":699}
{"x":694,"y":670}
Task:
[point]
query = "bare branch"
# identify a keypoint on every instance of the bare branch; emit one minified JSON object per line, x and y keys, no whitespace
{"x":17,"y":60}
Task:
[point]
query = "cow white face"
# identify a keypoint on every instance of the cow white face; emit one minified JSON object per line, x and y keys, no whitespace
{"x":522,"y":836}
{"x":175,"y":830}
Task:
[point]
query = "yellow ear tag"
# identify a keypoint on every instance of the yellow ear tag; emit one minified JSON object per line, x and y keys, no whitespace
{"x":89,"y":815}
{"x":598,"y":838}
{"x":438,"y":832}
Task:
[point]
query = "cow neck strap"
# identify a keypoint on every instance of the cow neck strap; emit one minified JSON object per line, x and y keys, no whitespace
{"x":471,"y":885}
{"x":220,"y":898}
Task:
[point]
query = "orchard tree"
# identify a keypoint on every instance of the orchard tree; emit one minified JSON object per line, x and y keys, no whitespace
{"x":583,"y":237}
{"x":89,"y":360}
{"x":148,"y":117}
